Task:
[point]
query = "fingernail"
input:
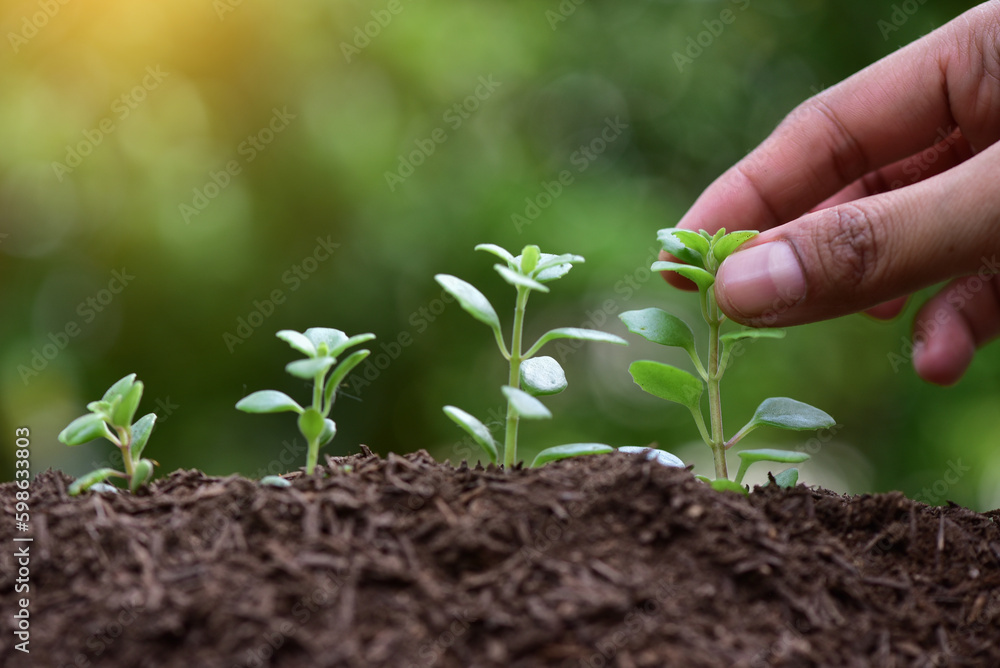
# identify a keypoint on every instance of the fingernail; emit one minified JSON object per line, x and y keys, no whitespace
{"x":761,"y":281}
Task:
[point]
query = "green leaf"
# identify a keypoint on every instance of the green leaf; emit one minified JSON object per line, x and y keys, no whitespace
{"x":525,"y":405}
{"x":350,"y":343}
{"x":125,"y":410}
{"x":724,"y":485}
{"x":274,"y":481}
{"x":721,"y":232}
{"x":325,"y":336}
{"x":474,"y":428}
{"x":329,"y":431}
{"x":748,"y":457}
{"x":85,"y":429}
{"x":787,"y":478}
{"x":577,"y":333}
{"x":85,"y":482}
{"x":674,"y":245}
{"x":725,"y":247}
{"x":141,"y":474}
{"x":501,"y":253}
{"x":751,"y":333}
{"x":550,"y":267}
{"x":668,"y":382}
{"x":470,"y":299}
{"x":268,"y":401}
{"x":772,"y":455}
{"x":790,"y":414}
{"x":308,"y":369}
{"x":703,"y":279}
{"x":311,"y":424}
{"x":517,"y":279}
{"x":298,"y":341}
{"x":140,"y":433}
{"x":660,"y":327}
{"x":569,"y":450}
{"x":529,"y":259}
{"x":542,"y":376}
{"x":119,"y":388}
{"x":340,"y":373}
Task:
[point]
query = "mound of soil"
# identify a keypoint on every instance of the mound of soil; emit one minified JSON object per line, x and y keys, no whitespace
{"x":599,"y":561}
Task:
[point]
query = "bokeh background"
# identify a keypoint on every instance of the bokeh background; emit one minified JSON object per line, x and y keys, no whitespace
{"x":168,"y":169}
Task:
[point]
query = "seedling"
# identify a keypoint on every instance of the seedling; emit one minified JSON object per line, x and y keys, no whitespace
{"x":321,"y":346}
{"x":111,"y":418}
{"x":541,"y":376}
{"x":702,"y":254}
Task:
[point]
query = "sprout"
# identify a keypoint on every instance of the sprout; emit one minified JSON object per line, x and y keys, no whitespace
{"x":538,"y":376}
{"x":322,"y":347}
{"x":702,"y":254}
{"x":111,"y":418}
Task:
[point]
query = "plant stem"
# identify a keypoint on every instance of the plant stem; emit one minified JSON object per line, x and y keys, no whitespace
{"x":714,"y":394}
{"x":514,"y":379}
{"x":125,"y":436}
{"x":312,"y":456}
{"x":318,"y":394}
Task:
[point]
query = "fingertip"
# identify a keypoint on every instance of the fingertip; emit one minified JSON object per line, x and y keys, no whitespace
{"x":942,"y":356}
{"x":887,"y":310}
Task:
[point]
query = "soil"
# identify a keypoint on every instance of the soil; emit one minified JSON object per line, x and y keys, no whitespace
{"x":607,"y":560}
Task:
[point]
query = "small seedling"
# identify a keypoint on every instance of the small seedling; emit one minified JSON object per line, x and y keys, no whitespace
{"x":702,"y":254}
{"x":111,"y":418}
{"x":540,"y":376}
{"x":321,"y":346}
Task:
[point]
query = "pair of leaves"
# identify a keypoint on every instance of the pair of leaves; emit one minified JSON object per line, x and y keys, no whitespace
{"x":478,"y":306}
{"x":524,"y":406}
{"x":329,"y":342}
{"x":785,"y":479}
{"x":142,"y":473}
{"x":115,"y":409}
{"x":702,"y":249}
{"x":318,"y":342}
{"x":532,"y":264}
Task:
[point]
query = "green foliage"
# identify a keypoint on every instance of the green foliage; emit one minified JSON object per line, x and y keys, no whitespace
{"x":321,"y":346}
{"x":702,"y":255}
{"x":111,"y":418}
{"x":541,"y":376}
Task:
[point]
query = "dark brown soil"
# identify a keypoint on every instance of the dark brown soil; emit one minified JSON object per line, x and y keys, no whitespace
{"x":599,"y":561}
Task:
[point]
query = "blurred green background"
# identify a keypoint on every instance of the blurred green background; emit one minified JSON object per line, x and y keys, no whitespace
{"x":168,"y":169}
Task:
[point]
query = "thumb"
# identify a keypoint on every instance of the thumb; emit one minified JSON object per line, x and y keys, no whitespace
{"x":851,"y":257}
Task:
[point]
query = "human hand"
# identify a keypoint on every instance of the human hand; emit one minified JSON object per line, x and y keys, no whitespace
{"x":885,"y":184}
